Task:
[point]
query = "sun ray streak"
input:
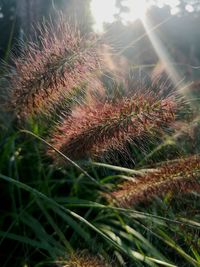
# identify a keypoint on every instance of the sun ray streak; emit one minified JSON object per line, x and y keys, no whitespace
{"x":161,"y":51}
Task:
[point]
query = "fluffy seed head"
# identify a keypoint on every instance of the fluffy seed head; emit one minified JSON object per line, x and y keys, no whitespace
{"x":179,"y":177}
{"x":95,"y":129}
{"x":85,"y":260}
{"x":50,"y":69}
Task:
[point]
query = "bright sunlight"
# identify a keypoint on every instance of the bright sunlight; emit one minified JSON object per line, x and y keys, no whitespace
{"x":106,"y":11}
{"x":103,"y":11}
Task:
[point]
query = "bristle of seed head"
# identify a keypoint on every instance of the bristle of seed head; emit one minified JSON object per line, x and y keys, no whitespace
{"x":177,"y":177}
{"x":85,"y":260}
{"x":93,"y":129}
{"x":50,"y":69}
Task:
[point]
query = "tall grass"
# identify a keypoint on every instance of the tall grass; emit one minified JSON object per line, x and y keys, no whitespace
{"x":59,"y":171}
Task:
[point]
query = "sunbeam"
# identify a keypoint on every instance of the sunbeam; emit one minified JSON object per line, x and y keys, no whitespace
{"x":161,"y":52}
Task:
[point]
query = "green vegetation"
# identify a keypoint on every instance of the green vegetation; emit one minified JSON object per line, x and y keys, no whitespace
{"x":98,"y":167}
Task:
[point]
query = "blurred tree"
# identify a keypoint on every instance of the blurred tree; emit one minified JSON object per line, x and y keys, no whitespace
{"x":30,"y":13}
{"x":18,"y":17}
{"x":179,"y":36}
{"x":9,"y":26}
{"x":79,"y":12}
{"x":188,"y":6}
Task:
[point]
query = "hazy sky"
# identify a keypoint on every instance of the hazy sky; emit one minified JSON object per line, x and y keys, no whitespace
{"x":105,"y":10}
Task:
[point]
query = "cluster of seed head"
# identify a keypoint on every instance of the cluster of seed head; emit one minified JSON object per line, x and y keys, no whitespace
{"x":85,"y":260}
{"x":179,"y":177}
{"x":50,"y":69}
{"x":95,"y":129}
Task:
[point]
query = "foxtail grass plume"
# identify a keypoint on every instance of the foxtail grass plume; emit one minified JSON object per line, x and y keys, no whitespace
{"x":50,"y":68}
{"x":85,"y":260}
{"x":175,"y":177}
{"x":98,"y":128}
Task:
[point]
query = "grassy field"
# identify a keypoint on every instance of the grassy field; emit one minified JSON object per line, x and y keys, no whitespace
{"x":95,"y":171}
